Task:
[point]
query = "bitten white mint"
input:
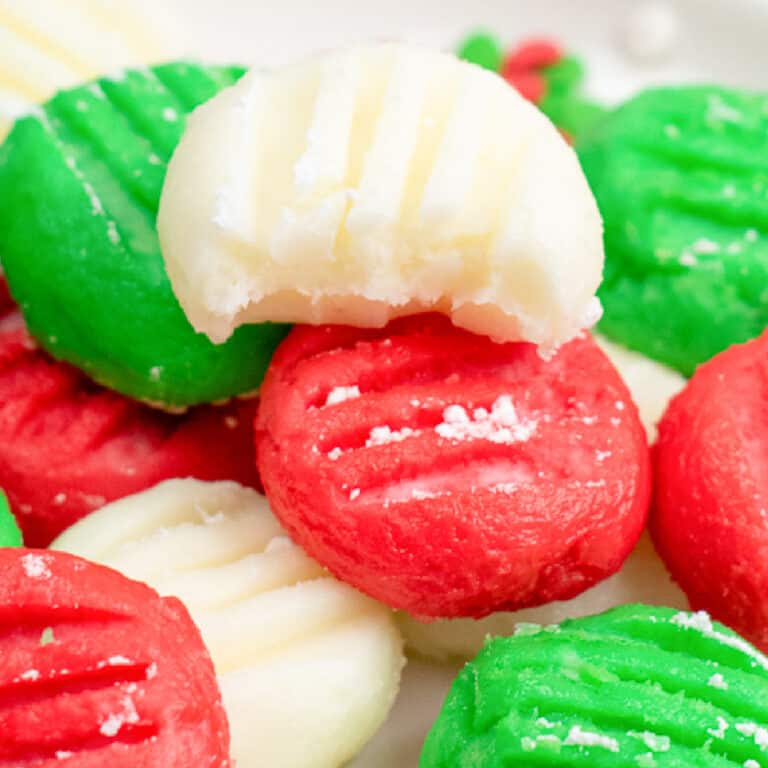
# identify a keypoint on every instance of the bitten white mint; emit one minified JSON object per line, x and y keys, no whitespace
{"x":377,"y":182}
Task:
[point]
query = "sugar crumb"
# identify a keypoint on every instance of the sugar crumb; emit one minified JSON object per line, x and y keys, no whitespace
{"x":36,"y":567}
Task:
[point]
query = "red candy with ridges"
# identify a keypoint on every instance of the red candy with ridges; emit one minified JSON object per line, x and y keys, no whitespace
{"x":68,"y":446}
{"x":448,"y":475}
{"x":710,"y":517}
{"x":97,"y":670}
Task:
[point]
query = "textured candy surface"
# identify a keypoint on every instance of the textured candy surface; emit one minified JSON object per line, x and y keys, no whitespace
{"x":10,"y":535}
{"x":642,"y":579}
{"x":448,"y":475}
{"x":46,"y":45}
{"x":681,"y":178}
{"x":307,"y":666}
{"x":379,"y":182}
{"x":652,"y":384}
{"x":638,"y":687}
{"x":80,"y":183}
{"x":711,"y":490}
{"x":68,"y":446}
{"x":97,"y":670}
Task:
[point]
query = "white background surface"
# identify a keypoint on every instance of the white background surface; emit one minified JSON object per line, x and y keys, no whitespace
{"x":718,"y":41}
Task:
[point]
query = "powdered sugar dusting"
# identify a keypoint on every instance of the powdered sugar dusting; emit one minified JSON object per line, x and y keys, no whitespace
{"x":720,"y":730}
{"x":385,"y":435}
{"x":579,"y":737}
{"x":502,"y":425}
{"x":35,"y":566}
{"x":756,"y":732}
{"x":341,"y":394}
{"x":701,"y":622}
{"x":717,"y":681}
{"x":114,"y":723}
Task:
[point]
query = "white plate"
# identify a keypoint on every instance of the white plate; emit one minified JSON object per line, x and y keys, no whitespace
{"x":717,"y":41}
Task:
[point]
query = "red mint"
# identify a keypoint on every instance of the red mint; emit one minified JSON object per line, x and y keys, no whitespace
{"x":68,"y":446}
{"x":97,"y":670}
{"x":448,"y":475}
{"x":710,"y":521}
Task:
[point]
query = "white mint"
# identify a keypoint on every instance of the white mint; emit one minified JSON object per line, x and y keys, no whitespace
{"x":98,"y":37}
{"x":377,"y":182}
{"x":308,"y":667}
{"x":642,"y":579}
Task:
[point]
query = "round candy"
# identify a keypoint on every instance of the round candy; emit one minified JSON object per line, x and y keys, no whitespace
{"x":448,"y":475}
{"x":67,"y":446}
{"x":80,"y":184}
{"x":680,"y":177}
{"x":97,"y":670}
{"x":377,"y":182}
{"x":308,"y":667}
{"x":710,"y":519}
{"x":642,"y":578}
{"x":10,"y":535}
{"x":636,"y":687}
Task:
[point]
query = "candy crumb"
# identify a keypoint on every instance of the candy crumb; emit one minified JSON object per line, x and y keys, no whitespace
{"x":385,"y":435}
{"x":340,"y":394}
{"x":35,"y":567}
{"x":759,"y":734}
{"x":717,"y":681}
{"x":112,"y":725}
{"x":722,"y":727}
{"x":502,"y":425}
{"x":577,"y":736}
{"x":654,"y":741}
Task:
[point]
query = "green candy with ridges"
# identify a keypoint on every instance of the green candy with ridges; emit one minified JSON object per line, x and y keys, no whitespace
{"x":681,"y":178}
{"x":10,"y":534}
{"x":636,"y":687}
{"x":80,"y":184}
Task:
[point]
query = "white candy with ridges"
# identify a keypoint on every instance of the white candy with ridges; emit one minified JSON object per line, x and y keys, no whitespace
{"x":642,"y":579}
{"x":48,"y":45}
{"x":308,"y":667}
{"x":377,"y":182}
